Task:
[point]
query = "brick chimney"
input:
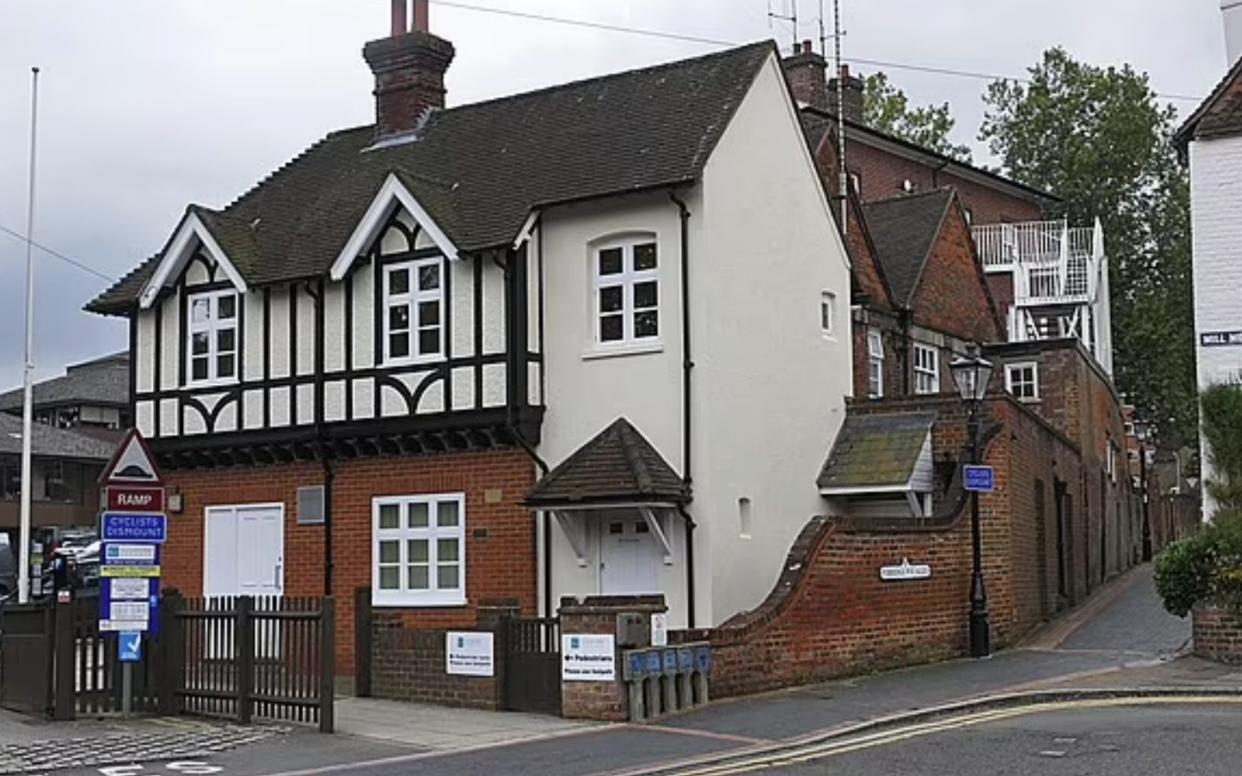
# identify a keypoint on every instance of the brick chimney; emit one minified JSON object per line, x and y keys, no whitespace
{"x":409,"y":68}
{"x":805,"y":72}
{"x":853,"y":95}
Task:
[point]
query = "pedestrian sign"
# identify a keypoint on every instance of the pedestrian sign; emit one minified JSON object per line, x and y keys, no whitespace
{"x":130,"y":648}
{"x":979,"y":478}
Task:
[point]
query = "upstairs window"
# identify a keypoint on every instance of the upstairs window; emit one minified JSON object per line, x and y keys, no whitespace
{"x":926,"y":369}
{"x":212,"y":347}
{"x":414,"y":311}
{"x":627,"y":293}
{"x":1022,"y":380}
{"x":827,"y":312}
{"x":875,"y":364}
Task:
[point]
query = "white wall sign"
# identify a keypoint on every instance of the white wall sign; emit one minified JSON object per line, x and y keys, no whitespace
{"x":659,"y":629}
{"x":905,"y":571}
{"x":469,"y":653}
{"x":588,"y":657}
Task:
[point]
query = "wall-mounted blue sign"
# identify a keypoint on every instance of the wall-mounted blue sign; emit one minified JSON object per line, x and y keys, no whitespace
{"x":123,"y":527}
{"x":979,"y":478}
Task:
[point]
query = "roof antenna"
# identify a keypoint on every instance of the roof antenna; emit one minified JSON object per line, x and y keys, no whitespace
{"x":844,"y":181}
{"x":791,"y":16}
{"x":823,"y":35}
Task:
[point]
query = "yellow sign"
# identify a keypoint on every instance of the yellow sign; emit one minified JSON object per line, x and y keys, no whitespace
{"x":129,"y":571}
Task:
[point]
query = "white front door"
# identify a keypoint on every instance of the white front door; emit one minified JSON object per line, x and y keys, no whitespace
{"x":630,"y":562}
{"x":245,"y":551}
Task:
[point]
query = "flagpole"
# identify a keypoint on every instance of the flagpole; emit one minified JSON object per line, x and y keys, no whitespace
{"x":23,"y":568}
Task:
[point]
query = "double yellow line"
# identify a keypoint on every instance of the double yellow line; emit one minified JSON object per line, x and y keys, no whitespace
{"x":834,"y":748}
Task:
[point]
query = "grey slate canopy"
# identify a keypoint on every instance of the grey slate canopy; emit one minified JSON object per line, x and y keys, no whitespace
{"x":47,"y":441}
{"x":103,"y":381}
{"x":618,"y":465}
{"x":480,"y":170}
{"x":876,"y":451}
{"x":904,"y":229}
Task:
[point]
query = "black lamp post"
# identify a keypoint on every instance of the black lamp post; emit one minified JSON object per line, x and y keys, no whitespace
{"x":1142,"y":431}
{"x":971,"y":374}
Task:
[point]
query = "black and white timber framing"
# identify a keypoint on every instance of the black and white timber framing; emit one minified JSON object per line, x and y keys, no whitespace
{"x":311,"y":376}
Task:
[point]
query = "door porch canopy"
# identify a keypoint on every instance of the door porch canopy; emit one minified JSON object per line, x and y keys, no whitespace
{"x":617,"y":469}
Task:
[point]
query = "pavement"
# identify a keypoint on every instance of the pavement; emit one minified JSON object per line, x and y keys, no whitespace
{"x":1121,"y":640}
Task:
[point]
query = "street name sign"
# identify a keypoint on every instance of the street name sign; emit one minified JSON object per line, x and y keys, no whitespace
{"x":905,"y":570}
{"x":1220,"y":339}
{"x":979,"y":478}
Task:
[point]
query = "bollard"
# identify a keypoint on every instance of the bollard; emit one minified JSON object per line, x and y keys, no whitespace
{"x":634,"y":671}
{"x":702,"y":667}
{"x":651,"y":685}
{"x":668,"y":682}
{"x":685,"y":668}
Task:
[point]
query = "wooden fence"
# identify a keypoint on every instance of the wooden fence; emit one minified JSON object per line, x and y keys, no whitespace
{"x":239,"y":658}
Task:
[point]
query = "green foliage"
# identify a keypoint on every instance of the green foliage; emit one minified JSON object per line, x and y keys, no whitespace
{"x":1099,"y":139}
{"x":1203,"y":567}
{"x":887,"y":109}
{"x":1222,"y":428}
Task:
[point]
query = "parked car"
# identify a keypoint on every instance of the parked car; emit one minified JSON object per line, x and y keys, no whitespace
{"x":8,"y":566}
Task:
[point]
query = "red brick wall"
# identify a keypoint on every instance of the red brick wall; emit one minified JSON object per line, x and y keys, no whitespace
{"x":866,"y":272}
{"x":500,"y":533}
{"x":1218,"y":634}
{"x":831,"y":615}
{"x":882,"y":174}
{"x":952,"y":295}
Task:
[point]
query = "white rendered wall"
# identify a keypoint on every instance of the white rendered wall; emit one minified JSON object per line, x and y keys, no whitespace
{"x":770,"y":389}
{"x":1216,"y":227}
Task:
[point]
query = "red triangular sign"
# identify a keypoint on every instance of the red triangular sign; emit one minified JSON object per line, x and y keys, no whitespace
{"x":132,"y":464}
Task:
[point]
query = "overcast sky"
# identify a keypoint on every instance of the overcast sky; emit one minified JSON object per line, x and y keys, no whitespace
{"x":148,"y":105}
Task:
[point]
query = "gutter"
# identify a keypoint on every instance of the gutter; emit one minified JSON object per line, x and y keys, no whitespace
{"x":687,"y":367}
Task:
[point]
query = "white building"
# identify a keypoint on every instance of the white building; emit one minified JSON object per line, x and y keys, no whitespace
{"x":351,"y":372}
{"x":1211,"y":140}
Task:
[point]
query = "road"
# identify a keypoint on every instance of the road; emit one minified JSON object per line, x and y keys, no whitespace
{"x":1130,"y":740}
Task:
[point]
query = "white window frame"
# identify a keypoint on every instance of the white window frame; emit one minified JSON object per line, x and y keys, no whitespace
{"x":875,"y":364}
{"x":1010,"y":382}
{"x":412,"y":298}
{"x":828,"y":314}
{"x":433,"y":595}
{"x":926,"y":369}
{"x":212,"y":326}
{"x":627,"y":279}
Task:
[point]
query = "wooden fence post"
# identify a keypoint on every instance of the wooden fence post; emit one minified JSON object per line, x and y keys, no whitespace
{"x":64,"y":642}
{"x":171,"y":676}
{"x":362,"y":642}
{"x":243,"y":640}
{"x":327,"y":666}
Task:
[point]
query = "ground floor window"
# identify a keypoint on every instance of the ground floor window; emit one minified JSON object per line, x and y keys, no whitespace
{"x":418,"y":553}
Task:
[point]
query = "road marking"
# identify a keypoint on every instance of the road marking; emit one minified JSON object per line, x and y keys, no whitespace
{"x":703,"y":734}
{"x":836,"y":748}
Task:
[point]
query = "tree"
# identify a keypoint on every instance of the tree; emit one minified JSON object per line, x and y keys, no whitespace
{"x":1099,"y":139}
{"x":1222,"y":428}
{"x":887,"y":109}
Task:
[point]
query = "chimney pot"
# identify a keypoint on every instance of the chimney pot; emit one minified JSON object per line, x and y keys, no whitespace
{"x":400,"y":25}
{"x":806,"y":47}
{"x":422,"y":15}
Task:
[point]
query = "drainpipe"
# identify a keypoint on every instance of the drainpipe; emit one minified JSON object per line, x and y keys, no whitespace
{"x":687,"y":366}
{"x":904,"y":316}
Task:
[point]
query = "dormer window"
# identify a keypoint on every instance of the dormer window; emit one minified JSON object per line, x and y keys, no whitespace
{"x":212,"y":346}
{"x":414,"y":311}
{"x":627,"y":293}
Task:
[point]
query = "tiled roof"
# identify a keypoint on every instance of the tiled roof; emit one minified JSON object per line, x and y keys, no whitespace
{"x":101,"y":381}
{"x":876,"y":451}
{"x":52,"y":442}
{"x":479,"y":170}
{"x":1220,"y":113}
{"x":618,"y":465}
{"x":903,"y":230}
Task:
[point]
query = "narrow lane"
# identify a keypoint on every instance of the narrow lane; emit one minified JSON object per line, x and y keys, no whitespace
{"x":1136,"y":622}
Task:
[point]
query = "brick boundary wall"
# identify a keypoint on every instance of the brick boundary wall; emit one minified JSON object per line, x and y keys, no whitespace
{"x":1217,"y":634}
{"x":408,"y":664}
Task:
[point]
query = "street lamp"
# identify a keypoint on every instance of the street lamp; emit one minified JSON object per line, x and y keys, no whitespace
{"x":1141,"y":432}
{"x":971,"y":374}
